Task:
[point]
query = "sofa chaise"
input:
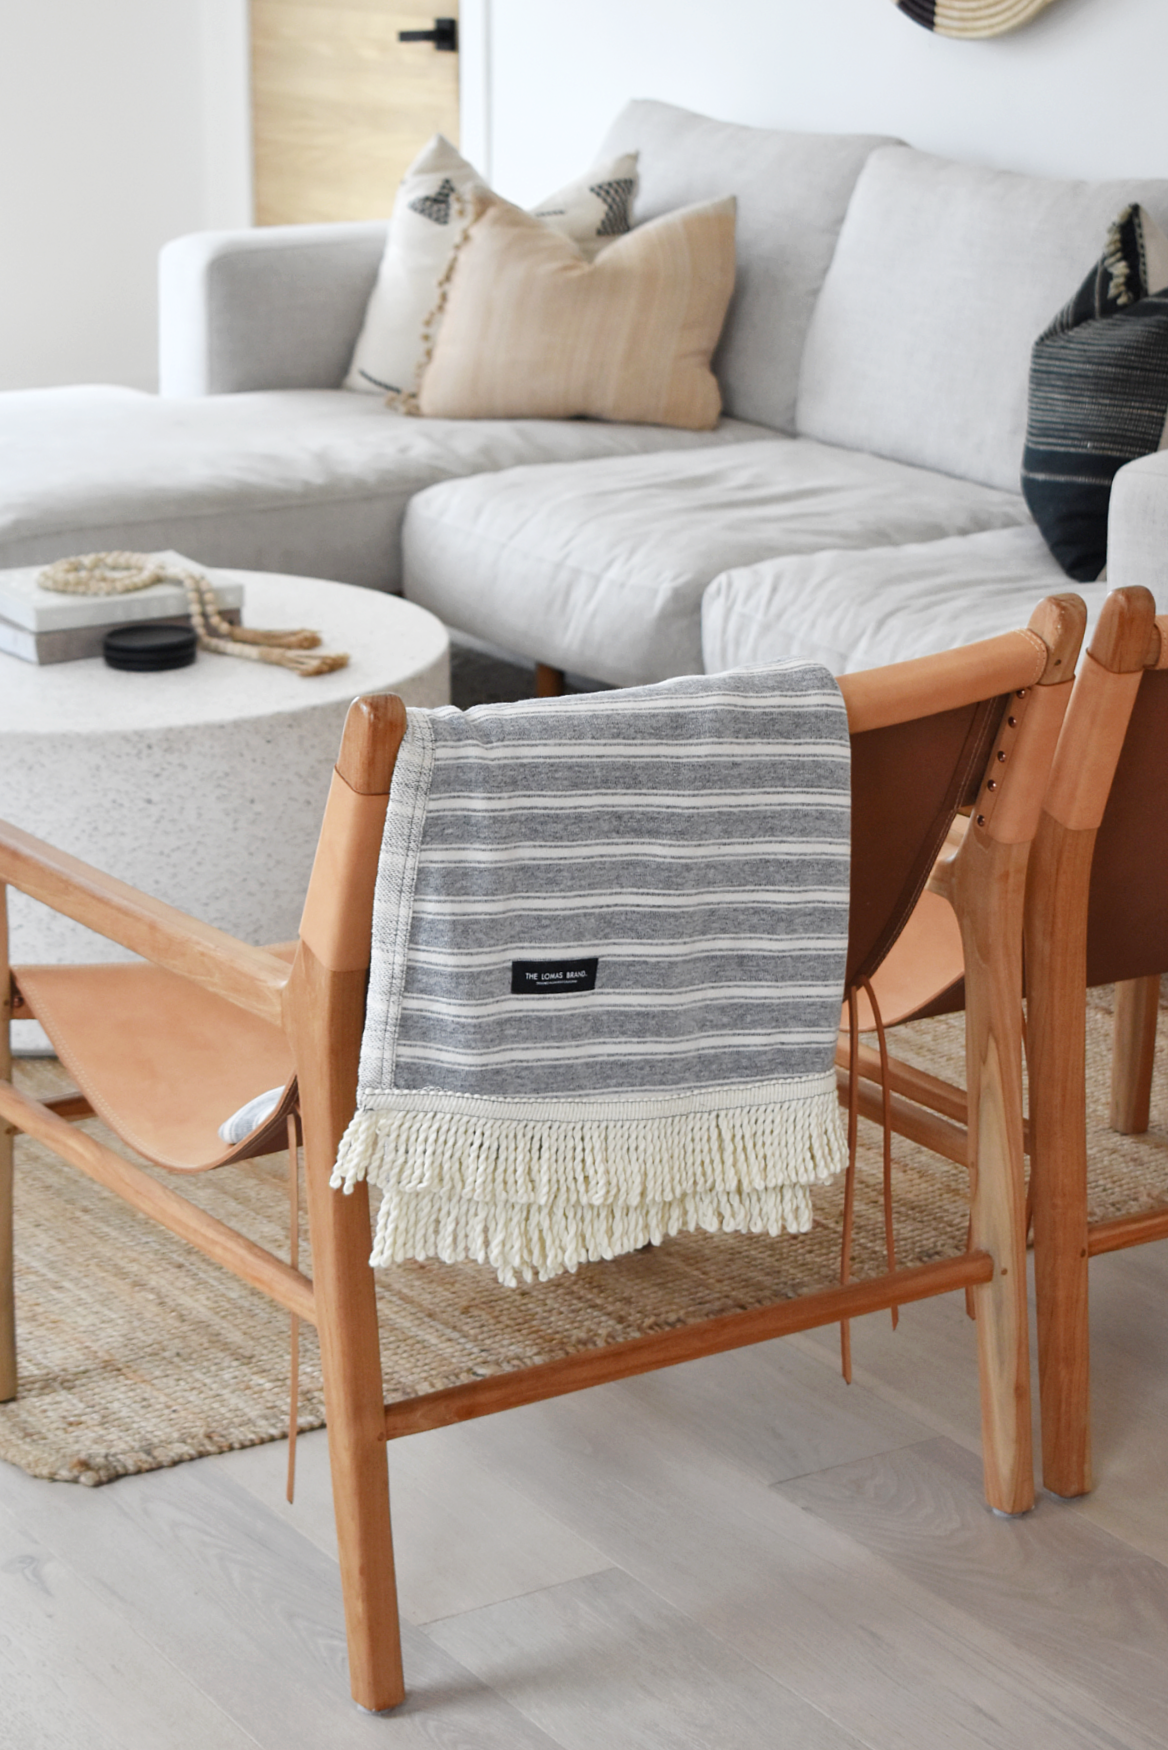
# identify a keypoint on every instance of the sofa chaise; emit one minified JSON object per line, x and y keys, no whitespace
{"x":873,"y":369}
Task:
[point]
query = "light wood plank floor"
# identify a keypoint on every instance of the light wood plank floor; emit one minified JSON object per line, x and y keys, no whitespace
{"x":738,"y":1553}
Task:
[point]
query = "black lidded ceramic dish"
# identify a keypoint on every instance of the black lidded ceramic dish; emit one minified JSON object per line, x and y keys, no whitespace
{"x":149,"y":647}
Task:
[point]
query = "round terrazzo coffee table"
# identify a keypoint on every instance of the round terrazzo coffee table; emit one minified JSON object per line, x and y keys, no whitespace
{"x":204,"y":785}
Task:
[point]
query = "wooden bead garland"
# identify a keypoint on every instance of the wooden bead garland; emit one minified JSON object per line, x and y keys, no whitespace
{"x":120,"y":573}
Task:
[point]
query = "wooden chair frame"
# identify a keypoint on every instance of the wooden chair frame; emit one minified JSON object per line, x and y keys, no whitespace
{"x":933,"y":1112}
{"x":319,"y":1003}
{"x":1128,"y":641}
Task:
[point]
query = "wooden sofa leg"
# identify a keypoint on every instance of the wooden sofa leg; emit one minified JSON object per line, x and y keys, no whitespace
{"x":346,"y":1316}
{"x":549,"y":682}
{"x":1137,"y":1008}
{"x":7,"y":1142}
{"x":1057,"y":1049}
{"x":990,"y":908}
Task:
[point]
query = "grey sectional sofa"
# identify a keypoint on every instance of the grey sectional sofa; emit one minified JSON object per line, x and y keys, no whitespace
{"x":858,"y":502}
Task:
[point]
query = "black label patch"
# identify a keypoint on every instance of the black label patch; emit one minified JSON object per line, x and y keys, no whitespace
{"x":529,"y":977}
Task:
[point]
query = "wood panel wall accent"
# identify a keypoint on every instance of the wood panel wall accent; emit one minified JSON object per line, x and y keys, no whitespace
{"x":340,"y":107}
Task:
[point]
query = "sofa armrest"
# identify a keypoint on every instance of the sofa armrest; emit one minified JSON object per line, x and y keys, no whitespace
{"x":1137,"y":526}
{"x":278,"y":307}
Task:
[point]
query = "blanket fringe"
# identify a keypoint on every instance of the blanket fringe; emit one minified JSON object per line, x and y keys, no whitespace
{"x":534,"y":1198}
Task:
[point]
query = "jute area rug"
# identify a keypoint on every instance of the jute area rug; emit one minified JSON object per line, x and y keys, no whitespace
{"x":135,"y":1352}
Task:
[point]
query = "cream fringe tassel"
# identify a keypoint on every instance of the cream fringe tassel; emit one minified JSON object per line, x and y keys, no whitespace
{"x":536,"y":1197}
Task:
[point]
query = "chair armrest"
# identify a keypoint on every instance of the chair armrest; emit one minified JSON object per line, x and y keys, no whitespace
{"x":251,"y":978}
{"x":1137,"y":526}
{"x":278,"y":307}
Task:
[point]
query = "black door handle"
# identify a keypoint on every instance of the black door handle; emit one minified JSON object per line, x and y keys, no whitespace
{"x":444,"y":35}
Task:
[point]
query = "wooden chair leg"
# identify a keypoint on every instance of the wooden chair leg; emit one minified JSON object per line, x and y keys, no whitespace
{"x":325,"y":1005}
{"x":7,"y":1141}
{"x":7,"y":1297}
{"x":989,"y":894}
{"x":1137,"y":1008}
{"x":1057,"y":1003}
{"x":549,"y":682}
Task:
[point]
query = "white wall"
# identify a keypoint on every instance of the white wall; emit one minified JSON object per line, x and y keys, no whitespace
{"x":1078,"y":92}
{"x":126,"y":122}
{"x":122,"y":123}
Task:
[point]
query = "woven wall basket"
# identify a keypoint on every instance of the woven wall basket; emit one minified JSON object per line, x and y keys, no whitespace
{"x":971,"y":17}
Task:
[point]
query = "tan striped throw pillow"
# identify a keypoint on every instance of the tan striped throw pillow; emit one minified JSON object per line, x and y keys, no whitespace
{"x":533,"y":331}
{"x":435,"y":204}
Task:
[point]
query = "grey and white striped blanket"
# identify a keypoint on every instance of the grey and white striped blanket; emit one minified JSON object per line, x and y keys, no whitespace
{"x":609,"y":938}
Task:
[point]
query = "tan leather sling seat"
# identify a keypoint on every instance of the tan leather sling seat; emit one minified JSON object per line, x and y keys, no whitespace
{"x":1127,"y":912}
{"x":162,"y":1061}
{"x":921,"y":970}
{"x":1127,"y":922}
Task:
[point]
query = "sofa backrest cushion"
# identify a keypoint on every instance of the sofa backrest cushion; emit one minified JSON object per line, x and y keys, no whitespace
{"x":943,"y":278}
{"x":792,"y":192}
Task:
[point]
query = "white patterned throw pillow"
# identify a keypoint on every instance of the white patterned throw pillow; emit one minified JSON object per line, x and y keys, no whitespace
{"x":436,"y":202}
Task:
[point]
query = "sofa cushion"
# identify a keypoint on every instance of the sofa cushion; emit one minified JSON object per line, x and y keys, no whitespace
{"x":792,"y":191}
{"x":531,"y":329}
{"x":601,"y":566}
{"x":313,"y":482}
{"x":944,"y":276}
{"x":853,"y":610}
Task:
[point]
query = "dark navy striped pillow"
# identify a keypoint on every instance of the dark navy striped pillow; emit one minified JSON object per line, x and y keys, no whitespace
{"x":1098,"y":393}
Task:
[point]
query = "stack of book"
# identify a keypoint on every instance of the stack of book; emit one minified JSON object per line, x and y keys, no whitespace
{"x":41,"y":625}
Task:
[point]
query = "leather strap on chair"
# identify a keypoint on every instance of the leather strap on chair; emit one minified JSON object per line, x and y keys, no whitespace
{"x":886,"y":1127}
{"x":855,"y":1020}
{"x":293,"y":1259}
